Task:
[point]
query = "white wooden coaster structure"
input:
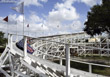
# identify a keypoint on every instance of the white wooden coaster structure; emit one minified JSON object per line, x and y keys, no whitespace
{"x":22,"y":64}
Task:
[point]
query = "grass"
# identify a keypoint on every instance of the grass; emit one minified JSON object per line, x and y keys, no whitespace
{"x":97,"y":59}
{"x":101,"y":70}
{"x":95,"y":56}
{"x":76,"y":65}
{"x":85,"y":67}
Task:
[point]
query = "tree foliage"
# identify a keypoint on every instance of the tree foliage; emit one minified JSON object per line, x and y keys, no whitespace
{"x":98,"y":19}
{"x":3,"y":40}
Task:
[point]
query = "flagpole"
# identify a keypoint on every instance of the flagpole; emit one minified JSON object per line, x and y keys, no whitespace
{"x":20,"y":9}
{"x":6,"y":20}
{"x":42,"y":30}
{"x":23,"y":24}
{"x":7,"y":29}
{"x":23,"y":17}
{"x":57,"y":29}
{"x":25,"y":38}
{"x":28,"y":31}
{"x":16,"y":32}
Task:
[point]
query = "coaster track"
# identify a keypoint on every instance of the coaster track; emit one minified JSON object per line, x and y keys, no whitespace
{"x":39,"y":64}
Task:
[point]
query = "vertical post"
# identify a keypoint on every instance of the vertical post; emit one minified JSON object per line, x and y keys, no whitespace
{"x":108,"y":46}
{"x":7,"y":29}
{"x":11,"y":43}
{"x":22,"y":12}
{"x":100,"y":52}
{"x":16,"y":33}
{"x":23,"y":24}
{"x":8,"y":39}
{"x":25,"y":46}
{"x":67,"y":61}
{"x":10,"y":59}
{"x":84,"y":50}
{"x":60,"y":61}
{"x":100,"y":46}
{"x":90,"y":68}
{"x":28,"y":31}
{"x":45,"y":53}
{"x":43,"y":30}
{"x":43,"y":56}
{"x":92,"y":50}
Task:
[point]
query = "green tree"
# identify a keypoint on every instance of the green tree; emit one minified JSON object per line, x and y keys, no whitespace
{"x":3,"y":40}
{"x":98,"y":19}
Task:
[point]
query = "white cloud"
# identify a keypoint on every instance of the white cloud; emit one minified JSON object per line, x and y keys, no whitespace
{"x":76,"y":26}
{"x":14,"y":27}
{"x":20,"y":18}
{"x":11,"y":24}
{"x":73,"y":27}
{"x":63,"y":12}
{"x":90,"y":2}
{"x":44,"y":0}
{"x":33,"y":2}
{"x":35,"y":18}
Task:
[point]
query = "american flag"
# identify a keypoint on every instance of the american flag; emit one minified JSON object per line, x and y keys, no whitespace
{"x":29,"y":49}
{"x":20,"y":45}
{"x":28,"y":25}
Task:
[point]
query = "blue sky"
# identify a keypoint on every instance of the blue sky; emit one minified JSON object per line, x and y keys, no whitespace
{"x":47,"y":17}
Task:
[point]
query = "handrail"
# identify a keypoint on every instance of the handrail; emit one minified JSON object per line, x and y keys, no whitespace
{"x":80,"y":61}
{"x":90,"y":63}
